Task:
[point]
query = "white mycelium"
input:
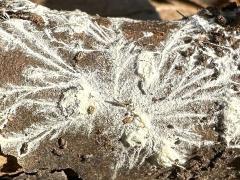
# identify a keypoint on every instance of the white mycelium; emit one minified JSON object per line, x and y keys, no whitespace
{"x":125,"y":90}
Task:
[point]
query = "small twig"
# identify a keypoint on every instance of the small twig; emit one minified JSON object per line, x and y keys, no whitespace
{"x":119,"y":104}
{"x":181,"y":14}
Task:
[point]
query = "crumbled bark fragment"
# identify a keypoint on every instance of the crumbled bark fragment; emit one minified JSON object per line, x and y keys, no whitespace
{"x":188,"y":52}
{"x":3,"y":4}
{"x":217,"y":36}
{"x":170,"y":126}
{"x":155,"y":99}
{"x":220,"y":19}
{"x":86,"y":157}
{"x":91,"y":110}
{"x":187,"y":39}
{"x":236,"y":44}
{"x":62,"y":143}
{"x":57,"y":152}
{"x":235,"y":163}
{"x":24,"y":148}
{"x":179,"y":69}
{"x":141,"y":88}
{"x":127,"y":120}
{"x":219,"y":51}
{"x":215,"y":74}
{"x":207,"y":133}
{"x":201,"y":59}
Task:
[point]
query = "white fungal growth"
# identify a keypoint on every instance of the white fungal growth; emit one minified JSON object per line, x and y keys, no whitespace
{"x":76,"y":102}
{"x":168,"y":155}
{"x":139,"y":135}
{"x":146,"y":69}
{"x":152,"y":98}
{"x":232,"y":116}
{"x":147,"y":34}
{"x":137,"y":138}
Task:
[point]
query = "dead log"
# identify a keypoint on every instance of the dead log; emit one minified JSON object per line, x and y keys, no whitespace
{"x":94,"y":97}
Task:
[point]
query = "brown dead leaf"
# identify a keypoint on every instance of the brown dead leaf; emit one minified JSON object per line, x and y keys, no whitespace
{"x":170,"y":10}
{"x":3,"y":161}
{"x":218,"y":3}
{"x":39,"y":1}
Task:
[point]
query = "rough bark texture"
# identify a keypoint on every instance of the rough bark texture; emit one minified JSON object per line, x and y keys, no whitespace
{"x":87,"y":97}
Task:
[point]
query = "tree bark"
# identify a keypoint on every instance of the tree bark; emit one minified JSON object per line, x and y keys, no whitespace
{"x":102,"y":98}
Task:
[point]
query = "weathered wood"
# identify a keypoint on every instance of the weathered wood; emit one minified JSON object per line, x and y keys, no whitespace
{"x":99,"y":97}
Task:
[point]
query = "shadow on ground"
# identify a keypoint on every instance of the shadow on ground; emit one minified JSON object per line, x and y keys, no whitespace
{"x":135,"y":9}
